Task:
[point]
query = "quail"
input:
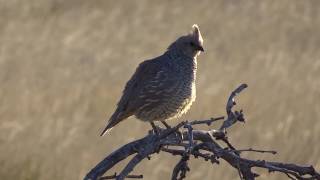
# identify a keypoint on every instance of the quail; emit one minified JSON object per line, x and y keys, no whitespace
{"x":164,"y":87}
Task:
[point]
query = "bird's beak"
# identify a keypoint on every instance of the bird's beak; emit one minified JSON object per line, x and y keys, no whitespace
{"x":200,"y":48}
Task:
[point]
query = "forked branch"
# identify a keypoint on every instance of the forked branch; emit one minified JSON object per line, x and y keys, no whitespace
{"x":185,"y":141}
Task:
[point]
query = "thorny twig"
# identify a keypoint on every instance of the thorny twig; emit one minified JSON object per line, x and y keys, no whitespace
{"x":197,"y":143}
{"x":115,"y":176}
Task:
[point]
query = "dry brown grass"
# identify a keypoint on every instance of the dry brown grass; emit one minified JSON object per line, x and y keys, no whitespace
{"x":63,"y":65}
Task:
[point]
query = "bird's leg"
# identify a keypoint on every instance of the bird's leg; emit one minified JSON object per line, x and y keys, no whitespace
{"x":154,"y":127}
{"x":179,"y":132}
{"x":166,"y":124}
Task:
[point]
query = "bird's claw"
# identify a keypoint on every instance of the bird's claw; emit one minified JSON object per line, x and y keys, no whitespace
{"x":179,"y":134}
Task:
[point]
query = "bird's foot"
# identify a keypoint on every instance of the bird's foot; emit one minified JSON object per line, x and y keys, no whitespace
{"x":179,"y":134}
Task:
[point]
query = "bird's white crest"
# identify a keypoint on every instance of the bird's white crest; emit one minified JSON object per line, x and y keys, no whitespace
{"x":196,"y":32}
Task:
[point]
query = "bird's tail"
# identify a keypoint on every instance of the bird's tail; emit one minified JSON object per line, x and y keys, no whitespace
{"x":114,"y":120}
{"x":106,"y":130}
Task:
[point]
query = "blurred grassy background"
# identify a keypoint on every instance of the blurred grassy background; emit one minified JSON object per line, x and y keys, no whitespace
{"x":63,"y":65}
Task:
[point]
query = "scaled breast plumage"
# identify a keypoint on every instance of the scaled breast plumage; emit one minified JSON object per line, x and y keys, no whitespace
{"x":171,"y":92}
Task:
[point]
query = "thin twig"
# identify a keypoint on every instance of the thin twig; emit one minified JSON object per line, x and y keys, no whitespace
{"x":115,"y":176}
{"x":254,"y":150}
{"x":207,"y":122}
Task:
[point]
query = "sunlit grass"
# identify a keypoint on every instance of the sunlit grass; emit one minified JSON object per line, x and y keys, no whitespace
{"x":63,"y":65}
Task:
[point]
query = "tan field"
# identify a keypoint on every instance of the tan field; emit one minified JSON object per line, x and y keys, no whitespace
{"x":64,"y":63}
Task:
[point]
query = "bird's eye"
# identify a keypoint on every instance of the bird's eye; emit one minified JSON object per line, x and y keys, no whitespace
{"x":192,"y":44}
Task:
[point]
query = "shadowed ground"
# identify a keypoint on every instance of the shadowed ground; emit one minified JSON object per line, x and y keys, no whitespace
{"x":63,"y":65}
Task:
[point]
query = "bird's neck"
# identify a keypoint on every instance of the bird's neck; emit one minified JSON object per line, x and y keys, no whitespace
{"x":176,"y":54}
{"x":188,"y":64}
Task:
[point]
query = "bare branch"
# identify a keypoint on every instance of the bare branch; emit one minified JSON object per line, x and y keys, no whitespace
{"x":134,"y":161}
{"x":117,"y":156}
{"x":180,"y":170}
{"x":233,"y":117}
{"x":210,"y":145}
{"x":190,"y":136}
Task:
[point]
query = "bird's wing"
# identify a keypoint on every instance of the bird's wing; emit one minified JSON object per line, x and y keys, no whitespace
{"x":145,"y":86}
{"x":150,"y":82}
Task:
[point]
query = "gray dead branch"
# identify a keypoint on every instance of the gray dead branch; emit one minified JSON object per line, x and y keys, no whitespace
{"x":185,"y":141}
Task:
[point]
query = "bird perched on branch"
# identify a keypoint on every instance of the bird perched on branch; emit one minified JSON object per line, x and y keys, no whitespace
{"x":164,"y":87}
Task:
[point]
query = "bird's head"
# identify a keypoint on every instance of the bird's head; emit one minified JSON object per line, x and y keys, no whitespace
{"x":190,"y":45}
